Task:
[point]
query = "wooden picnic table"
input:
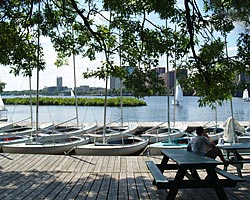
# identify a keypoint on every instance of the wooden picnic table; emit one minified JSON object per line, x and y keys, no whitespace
{"x":233,"y":154}
{"x":187,"y":165}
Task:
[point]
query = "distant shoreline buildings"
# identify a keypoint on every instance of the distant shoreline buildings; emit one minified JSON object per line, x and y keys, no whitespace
{"x":242,"y":82}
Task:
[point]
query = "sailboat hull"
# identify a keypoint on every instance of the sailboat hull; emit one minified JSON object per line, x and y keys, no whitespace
{"x":132,"y":146}
{"x":112,"y":132}
{"x":53,"y":147}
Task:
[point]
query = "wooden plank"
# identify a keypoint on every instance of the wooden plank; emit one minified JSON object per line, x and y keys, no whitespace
{"x":67,"y":165}
{"x":32,"y":181}
{"x":111,"y":164}
{"x":86,"y":189}
{"x":76,"y":188}
{"x":104,"y":165}
{"x":123,"y":186}
{"x":38,"y":166}
{"x":104,"y":189}
{"x":6,"y":160}
{"x":86,"y":163}
{"x":37,"y":187}
{"x":152,"y":191}
{"x":113,"y":189}
{"x":93,"y":193}
{"x":48,"y":162}
{"x":69,"y":185}
{"x":117,"y":164}
{"x":9,"y":183}
{"x":123,"y":164}
{"x":98,"y":165}
{"x":132,"y":192}
{"x":74,"y":163}
{"x":32,"y":161}
{"x":134,"y":162}
{"x":61,"y":166}
{"x":50,"y":186}
{"x":140,"y":186}
{"x":92,"y":166}
{"x":142,"y":164}
{"x":18,"y":163}
{"x":60,"y":186}
{"x":57,"y":162}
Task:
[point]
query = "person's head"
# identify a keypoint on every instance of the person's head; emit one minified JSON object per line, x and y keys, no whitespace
{"x":199,"y":130}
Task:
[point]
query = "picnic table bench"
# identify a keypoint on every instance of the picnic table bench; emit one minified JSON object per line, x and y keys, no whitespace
{"x":233,"y":154}
{"x":187,"y":163}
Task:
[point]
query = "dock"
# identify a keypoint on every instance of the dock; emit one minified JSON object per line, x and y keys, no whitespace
{"x":66,"y":177}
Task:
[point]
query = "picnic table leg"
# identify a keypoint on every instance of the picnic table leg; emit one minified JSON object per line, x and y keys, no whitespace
{"x":239,"y":167}
{"x":179,"y":177}
{"x":218,"y":188}
{"x":164,"y":162}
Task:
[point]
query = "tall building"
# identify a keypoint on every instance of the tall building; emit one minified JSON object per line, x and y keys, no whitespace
{"x":115,"y":83}
{"x":59,"y":83}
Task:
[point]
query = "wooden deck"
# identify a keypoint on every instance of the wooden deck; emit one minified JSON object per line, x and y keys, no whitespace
{"x":92,"y":177}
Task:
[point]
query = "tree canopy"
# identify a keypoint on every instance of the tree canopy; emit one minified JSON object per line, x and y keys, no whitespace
{"x":132,"y":35}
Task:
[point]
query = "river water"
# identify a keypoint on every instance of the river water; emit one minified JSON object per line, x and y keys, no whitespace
{"x":155,"y":111}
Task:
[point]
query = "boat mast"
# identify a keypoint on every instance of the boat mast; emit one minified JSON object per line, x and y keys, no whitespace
{"x":121,"y":82}
{"x":105,"y":108}
{"x":38,"y":69}
{"x":168,"y":91}
{"x":105,"y":100}
{"x":31,"y":111}
{"x":231,"y":100}
{"x":75,"y":89}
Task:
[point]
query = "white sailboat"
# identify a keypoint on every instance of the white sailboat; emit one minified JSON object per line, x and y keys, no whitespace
{"x":245,"y":96}
{"x":122,"y":147}
{"x":3,"y":111}
{"x":178,"y":98}
{"x":161,"y":133}
{"x":59,"y":146}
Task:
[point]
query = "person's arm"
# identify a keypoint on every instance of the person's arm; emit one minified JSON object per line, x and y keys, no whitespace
{"x":211,"y":141}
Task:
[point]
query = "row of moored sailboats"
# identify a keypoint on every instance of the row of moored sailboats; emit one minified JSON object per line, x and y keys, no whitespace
{"x":64,"y":139}
{"x":117,"y":140}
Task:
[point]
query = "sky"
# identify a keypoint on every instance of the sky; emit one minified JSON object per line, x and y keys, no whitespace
{"x":49,"y":75}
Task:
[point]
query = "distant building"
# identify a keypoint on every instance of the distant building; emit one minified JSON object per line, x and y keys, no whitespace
{"x":160,"y":70}
{"x":169,"y":78}
{"x":115,"y":83}
{"x":83,"y":89}
{"x":59,"y":82}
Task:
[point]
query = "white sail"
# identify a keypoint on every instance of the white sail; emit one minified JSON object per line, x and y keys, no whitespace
{"x":2,"y":106}
{"x":178,"y":99}
{"x":178,"y":93}
{"x":245,"y":95}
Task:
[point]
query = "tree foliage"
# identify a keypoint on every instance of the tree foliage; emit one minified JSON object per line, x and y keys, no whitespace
{"x":131,"y":34}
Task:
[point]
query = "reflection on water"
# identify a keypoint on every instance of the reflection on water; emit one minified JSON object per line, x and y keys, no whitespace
{"x":155,"y":111}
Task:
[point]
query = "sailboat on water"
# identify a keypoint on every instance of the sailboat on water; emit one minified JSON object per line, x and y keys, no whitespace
{"x":3,"y":111}
{"x":245,"y":96}
{"x":178,"y":98}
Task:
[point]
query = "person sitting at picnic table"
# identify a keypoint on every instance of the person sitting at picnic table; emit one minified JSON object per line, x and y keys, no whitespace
{"x":201,"y":144}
